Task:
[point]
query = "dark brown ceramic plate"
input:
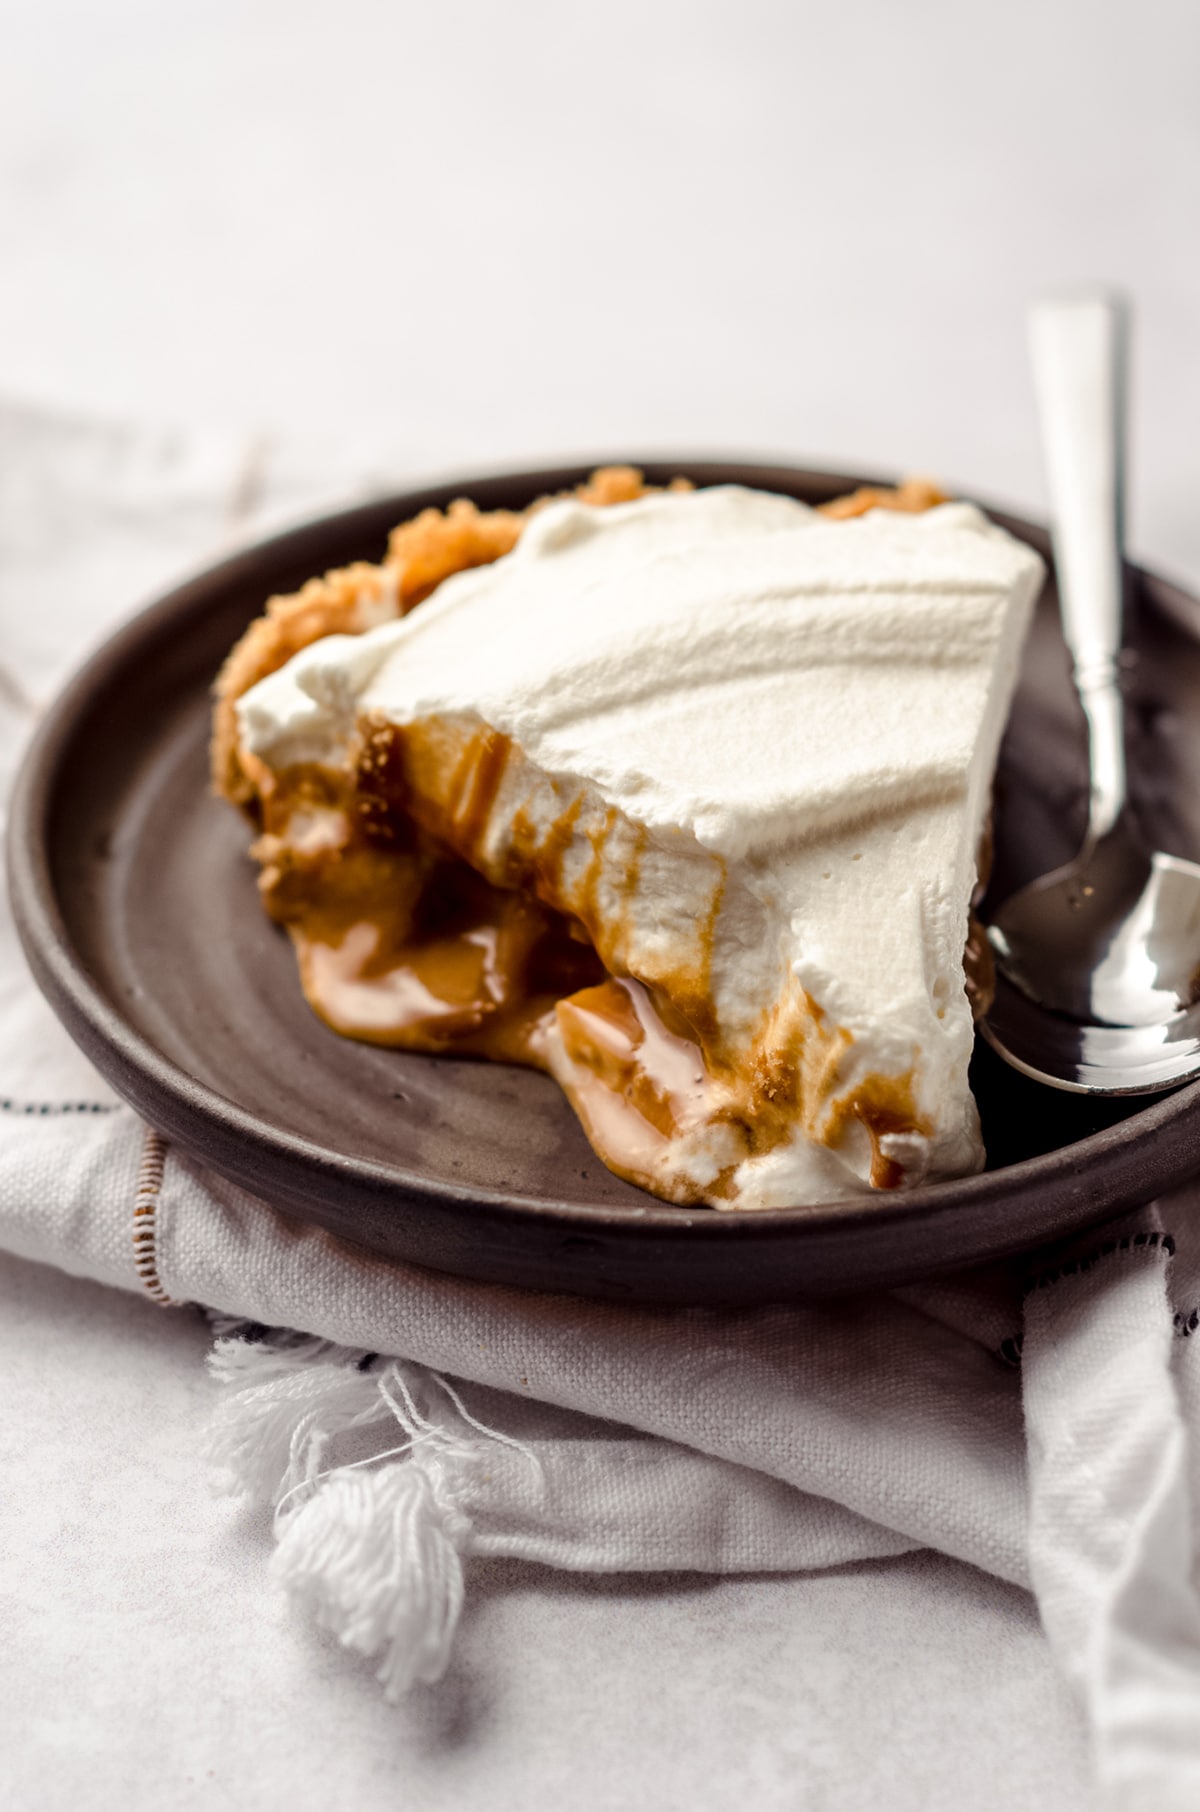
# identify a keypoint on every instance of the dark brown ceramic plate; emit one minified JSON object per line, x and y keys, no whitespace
{"x":136,"y":903}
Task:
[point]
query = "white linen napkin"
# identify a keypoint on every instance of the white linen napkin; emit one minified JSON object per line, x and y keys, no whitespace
{"x":1050,"y":1436}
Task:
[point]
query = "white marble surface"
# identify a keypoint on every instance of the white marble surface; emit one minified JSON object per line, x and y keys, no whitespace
{"x":467,"y":236}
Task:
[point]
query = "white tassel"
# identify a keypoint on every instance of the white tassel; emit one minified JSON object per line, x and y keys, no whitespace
{"x":373,"y":1549}
{"x":377,"y":1557}
{"x":281,"y":1410}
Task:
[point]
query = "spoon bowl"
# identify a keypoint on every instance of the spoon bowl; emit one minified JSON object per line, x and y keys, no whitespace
{"x":1091,"y":1059}
{"x":1097,"y":984}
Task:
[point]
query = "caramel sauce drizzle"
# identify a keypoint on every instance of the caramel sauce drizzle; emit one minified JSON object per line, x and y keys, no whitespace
{"x":633,"y":1073}
{"x":400,"y":942}
{"x":881,"y":1105}
{"x":475,"y":785}
{"x":403,"y":941}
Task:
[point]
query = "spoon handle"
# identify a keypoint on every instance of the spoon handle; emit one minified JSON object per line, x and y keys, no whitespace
{"x":1078,"y":348}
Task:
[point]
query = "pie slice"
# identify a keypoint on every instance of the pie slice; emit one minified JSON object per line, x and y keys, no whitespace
{"x":677,"y":795}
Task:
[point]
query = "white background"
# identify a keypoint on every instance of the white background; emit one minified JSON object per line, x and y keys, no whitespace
{"x":478,"y":232}
{"x":457,"y":236}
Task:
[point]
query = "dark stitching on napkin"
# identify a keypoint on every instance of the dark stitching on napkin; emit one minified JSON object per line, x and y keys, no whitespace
{"x":1186,"y":1325}
{"x":1009,"y":1350}
{"x":1076,"y":1267}
{"x":8,"y":1106}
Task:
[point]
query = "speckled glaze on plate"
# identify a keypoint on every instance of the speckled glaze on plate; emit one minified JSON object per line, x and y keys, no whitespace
{"x":136,"y":904}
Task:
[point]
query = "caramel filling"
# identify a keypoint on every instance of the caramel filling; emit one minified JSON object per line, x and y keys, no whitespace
{"x":403,"y":941}
{"x":636,"y":1074}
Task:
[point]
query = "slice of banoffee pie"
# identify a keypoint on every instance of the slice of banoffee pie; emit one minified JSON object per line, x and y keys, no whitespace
{"x":678,"y":795}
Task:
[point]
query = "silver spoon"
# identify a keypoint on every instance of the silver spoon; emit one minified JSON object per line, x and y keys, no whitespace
{"x":1097,"y":963}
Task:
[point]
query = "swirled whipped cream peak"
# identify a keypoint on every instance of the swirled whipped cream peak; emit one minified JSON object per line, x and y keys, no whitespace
{"x":681,"y":799}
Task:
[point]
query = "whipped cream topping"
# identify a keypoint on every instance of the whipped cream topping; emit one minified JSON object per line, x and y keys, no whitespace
{"x":776,"y":734}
